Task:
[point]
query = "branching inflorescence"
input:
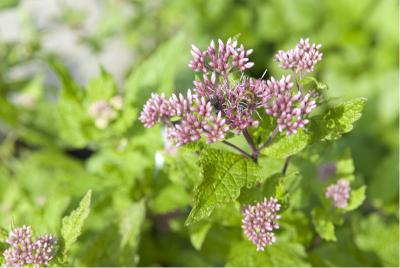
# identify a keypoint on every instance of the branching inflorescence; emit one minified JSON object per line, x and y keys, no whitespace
{"x":226,"y":100}
{"x":24,"y":251}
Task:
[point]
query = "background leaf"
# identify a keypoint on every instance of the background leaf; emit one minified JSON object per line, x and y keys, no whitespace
{"x":72,"y":225}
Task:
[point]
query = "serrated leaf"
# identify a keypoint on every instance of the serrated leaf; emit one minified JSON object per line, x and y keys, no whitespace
{"x":339,"y":119}
{"x":323,"y":224}
{"x":329,"y":126}
{"x":278,"y":254}
{"x":309,"y":79}
{"x":72,"y":225}
{"x":224,"y":174}
{"x":198,"y":233}
{"x":356,"y":198}
{"x":288,"y":145}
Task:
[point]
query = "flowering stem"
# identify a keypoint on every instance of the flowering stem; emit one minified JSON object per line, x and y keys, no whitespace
{"x":299,"y":87}
{"x":269,"y":140}
{"x":238,"y":149}
{"x":250,"y":141}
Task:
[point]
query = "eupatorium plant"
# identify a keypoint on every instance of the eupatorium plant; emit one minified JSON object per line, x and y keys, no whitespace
{"x":225,"y":100}
{"x":273,"y":115}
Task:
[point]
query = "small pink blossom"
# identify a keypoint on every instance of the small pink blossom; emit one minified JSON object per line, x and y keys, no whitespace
{"x":215,"y":130}
{"x":155,"y":109}
{"x":221,"y":59}
{"x":259,"y":222}
{"x":303,"y":57}
{"x":290,"y":109}
{"x":24,"y":251}
{"x":339,"y":193}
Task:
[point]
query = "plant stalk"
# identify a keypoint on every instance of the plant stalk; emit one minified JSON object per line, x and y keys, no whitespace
{"x":285,"y":167}
{"x":238,"y":149}
{"x":269,"y":140}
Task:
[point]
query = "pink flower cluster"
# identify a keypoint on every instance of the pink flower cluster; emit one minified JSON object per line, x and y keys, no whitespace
{"x":222,"y":60}
{"x":103,"y":112}
{"x":303,"y":57}
{"x":220,"y":104}
{"x":339,"y":193}
{"x":195,"y":115}
{"x":24,"y":251}
{"x":259,"y":222}
{"x":290,"y":109}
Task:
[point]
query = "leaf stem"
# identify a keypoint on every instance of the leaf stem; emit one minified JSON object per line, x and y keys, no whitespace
{"x":286,"y":165}
{"x":269,"y":140}
{"x":250,"y":141}
{"x":238,"y":149}
{"x":297,"y":81}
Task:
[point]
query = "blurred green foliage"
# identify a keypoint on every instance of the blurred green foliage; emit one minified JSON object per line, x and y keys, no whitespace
{"x":51,"y":152}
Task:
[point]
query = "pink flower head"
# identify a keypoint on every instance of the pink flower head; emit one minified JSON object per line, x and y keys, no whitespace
{"x":188,"y":130}
{"x":339,"y":193}
{"x":23,"y":251}
{"x":155,"y":109}
{"x":102,"y":112}
{"x":44,"y":250}
{"x":303,"y":57}
{"x":218,"y":104}
{"x":221,"y":59}
{"x":21,"y":246}
{"x":259,"y":222}
{"x":290,"y":109}
{"x":215,"y":130}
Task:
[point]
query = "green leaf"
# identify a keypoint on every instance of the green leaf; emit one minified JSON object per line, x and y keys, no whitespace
{"x":288,"y":145}
{"x":356,"y":198}
{"x":102,"y":87}
{"x":340,"y":119}
{"x":329,"y":126}
{"x":374,"y":235}
{"x":224,"y":174}
{"x":198,"y":233}
{"x":72,"y":225}
{"x":170,"y":198}
{"x":68,"y":85}
{"x":156,"y":72}
{"x":311,"y":79}
{"x":8,"y":4}
{"x":345,"y":166}
{"x":183,"y":169}
{"x":323,"y":224}
{"x":129,"y":229}
{"x":3,"y":238}
{"x":279,"y":254}
{"x":227,"y":215}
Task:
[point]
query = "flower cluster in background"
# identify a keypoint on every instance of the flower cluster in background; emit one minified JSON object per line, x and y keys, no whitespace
{"x":339,"y":193}
{"x":259,"y":222}
{"x":303,"y":57}
{"x":225,"y":99}
{"x":25,"y":251}
{"x":103,"y":112}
